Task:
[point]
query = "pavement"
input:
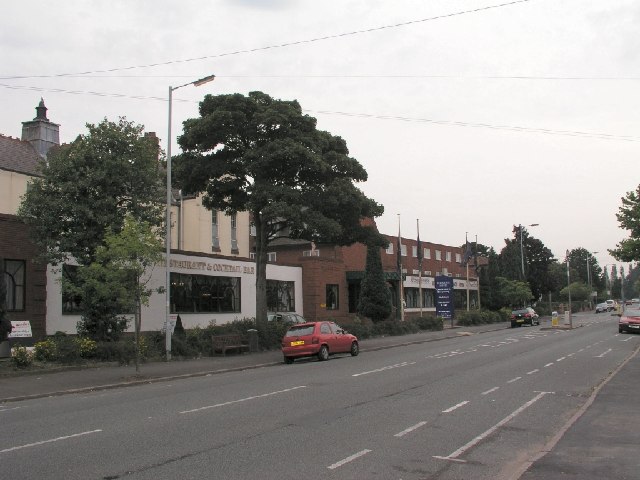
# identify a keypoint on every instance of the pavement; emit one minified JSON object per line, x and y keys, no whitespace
{"x":599,"y":442}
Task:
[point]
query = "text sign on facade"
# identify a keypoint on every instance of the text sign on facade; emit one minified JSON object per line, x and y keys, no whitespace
{"x":444,"y":297}
{"x":21,"y":329}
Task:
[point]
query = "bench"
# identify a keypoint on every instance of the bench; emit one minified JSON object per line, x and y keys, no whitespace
{"x":222,"y":343}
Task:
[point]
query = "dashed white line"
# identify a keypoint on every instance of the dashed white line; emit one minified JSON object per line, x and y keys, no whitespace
{"x":560,"y":359}
{"x":35,"y":444}
{"x":410,"y":429}
{"x":243,"y":399}
{"x":490,"y":391}
{"x":548,"y":364}
{"x":533,"y":371}
{"x":602,"y":354}
{"x":453,"y":456}
{"x":397,"y":365}
{"x":455,"y":407}
{"x":348,"y":459}
{"x":514,"y":380}
{"x":626,"y":340}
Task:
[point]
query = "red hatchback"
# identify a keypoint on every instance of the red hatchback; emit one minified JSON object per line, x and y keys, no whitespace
{"x":319,"y":339}
{"x":629,"y":320}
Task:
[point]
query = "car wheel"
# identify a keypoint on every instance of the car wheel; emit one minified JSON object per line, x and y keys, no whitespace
{"x":620,"y":330}
{"x":288,"y":360}
{"x":513,"y":325}
{"x":323,"y":354}
{"x":355,"y":349}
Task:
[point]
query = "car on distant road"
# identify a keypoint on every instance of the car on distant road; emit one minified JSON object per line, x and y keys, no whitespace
{"x":629,"y":321}
{"x":602,"y":307}
{"x":611,"y":305}
{"x":319,"y":339}
{"x":524,"y":316}
{"x":286,"y":317}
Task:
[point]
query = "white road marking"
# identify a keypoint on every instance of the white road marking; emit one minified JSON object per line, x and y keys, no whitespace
{"x":626,"y":340}
{"x":7,"y":409}
{"x":455,"y":407}
{"x":548,"y":364}
{"x":514,"y":380}
{"x":453,"y":456}
{"x":244,"y":399}
{"x":602,"y":354}
{"x":533,"y":371}
{"x":35,"y":444}
{"x":560,"y":359}
{"x":490,"y":391}
{"x":410,"y":429}
{"x":348,"y":459}
{"x":397,"y":365}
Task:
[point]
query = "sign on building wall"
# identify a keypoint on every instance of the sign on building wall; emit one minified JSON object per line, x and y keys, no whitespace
{"x":444,"y":297}
{"x":21,"y":329}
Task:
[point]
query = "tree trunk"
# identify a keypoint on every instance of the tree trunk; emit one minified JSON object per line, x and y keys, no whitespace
{"x":261,"y":270}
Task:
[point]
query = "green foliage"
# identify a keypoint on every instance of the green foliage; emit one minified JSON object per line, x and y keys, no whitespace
{"x":21,"y":357}
{"x":87,"y":188}
{"x":45,"y":351}
{"x":579,"y":292}
{"x":513,"y":292}
{"x":264,"y":156}
{"x":375,"y":297}
{"x":477,"y":317}
{"x":628,"y":250}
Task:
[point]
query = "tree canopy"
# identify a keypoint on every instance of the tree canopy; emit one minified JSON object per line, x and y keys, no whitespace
{"x":628,"y":216}
{"x":262,"y":155}
{"x":88,"y":187}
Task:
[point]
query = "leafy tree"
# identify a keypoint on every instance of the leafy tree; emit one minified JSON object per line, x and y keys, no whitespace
{"x":585,"y":267}
{"x":258,"y":154}
{"x":628,"y":216}
{"x":616,"y":283}
{"x":579,"y":291}
{"x":375,"y":298}
{"x":513,"y":292}
{"x":88,"y":187}
{"x":124,"y":266}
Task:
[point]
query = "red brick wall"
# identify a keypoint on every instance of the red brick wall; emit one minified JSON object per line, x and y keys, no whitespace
{"x":15,"y":245}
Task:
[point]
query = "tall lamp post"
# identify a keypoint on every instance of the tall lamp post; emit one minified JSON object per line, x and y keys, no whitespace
{"x":520,"y":227}
{"x":195,"y":83}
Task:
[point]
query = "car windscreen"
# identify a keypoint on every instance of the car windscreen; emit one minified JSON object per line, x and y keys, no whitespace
{"x":299,"y":331}
{"x":520,"y":312}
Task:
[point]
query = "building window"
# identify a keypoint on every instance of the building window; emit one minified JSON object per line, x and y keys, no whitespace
{"x":458,"y":258}
{"x":445,"y":271}
{"x":281,"y":296}
{"x":332,"y":297}
{"x":403,"y":250}
{"x":204,"y":294}
{"x":311,"y":253}
{"x":438,"y":255}
{"x":71,"y":302}
{"x":14,"y":277}
{"x":414,"y":252}
{"x":389,"y":249}
{"x":427,"y":272}
{"x":271,"y":257}
{"x":448,"y":256}
{"x":234,"y":233}
{"x":215,"y":239}
{"x":427,"y":253}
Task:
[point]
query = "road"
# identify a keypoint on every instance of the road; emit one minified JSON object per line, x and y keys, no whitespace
{"x":472,"y":407}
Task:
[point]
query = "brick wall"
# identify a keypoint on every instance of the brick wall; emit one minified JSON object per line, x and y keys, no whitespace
{"x":15,"y":245}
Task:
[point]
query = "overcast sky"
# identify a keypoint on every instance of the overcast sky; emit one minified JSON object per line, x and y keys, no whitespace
{"x":468,"y":115}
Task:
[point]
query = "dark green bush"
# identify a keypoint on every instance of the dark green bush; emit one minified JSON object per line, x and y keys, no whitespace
{"x":122,"y":351}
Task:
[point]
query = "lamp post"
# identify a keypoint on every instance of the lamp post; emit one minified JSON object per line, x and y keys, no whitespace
{"x":520,"y":227}
{"x":195,"y":83}
{"x":569,"y":291}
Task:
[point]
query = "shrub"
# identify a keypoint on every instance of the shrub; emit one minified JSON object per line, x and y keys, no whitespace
{"x":45,"y":351}
{"x":86,"y":347}
{"x":122,"y":351}
{"x":22,"y":358}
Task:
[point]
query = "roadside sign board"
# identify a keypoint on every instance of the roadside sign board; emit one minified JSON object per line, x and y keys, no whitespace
{"x":21,"y":329}
{"x":444,"y":297}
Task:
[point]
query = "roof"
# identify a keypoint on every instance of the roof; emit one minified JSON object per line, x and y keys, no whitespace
{"x":18,"y":156}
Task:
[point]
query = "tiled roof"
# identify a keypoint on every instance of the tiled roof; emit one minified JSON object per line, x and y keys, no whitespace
{"x":18,"y":156}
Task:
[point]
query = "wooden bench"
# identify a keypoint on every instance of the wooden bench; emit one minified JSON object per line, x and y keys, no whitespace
{"x":222,"y":343}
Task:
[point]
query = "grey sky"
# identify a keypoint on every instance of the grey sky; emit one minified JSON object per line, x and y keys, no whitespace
{"x":471,"y":122}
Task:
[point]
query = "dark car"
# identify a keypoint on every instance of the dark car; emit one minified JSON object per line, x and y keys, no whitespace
{"x":629,"y":321}
{"x":319,"y":339}
{"x":524,"y":316}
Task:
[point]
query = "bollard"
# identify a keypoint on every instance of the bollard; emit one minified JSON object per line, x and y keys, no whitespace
{"x":253,"y":340}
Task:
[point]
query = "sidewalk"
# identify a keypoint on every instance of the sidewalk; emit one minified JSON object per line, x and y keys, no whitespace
{"x":34,"y":384}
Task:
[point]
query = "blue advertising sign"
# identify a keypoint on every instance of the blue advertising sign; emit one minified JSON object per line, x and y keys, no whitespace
{"x":444,"y":297}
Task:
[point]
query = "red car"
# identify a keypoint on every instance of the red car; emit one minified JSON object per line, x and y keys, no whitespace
{"x":319,"y":339}
{"x":629,"y":321}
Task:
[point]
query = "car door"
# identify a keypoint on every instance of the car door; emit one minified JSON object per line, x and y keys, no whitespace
{"x":328,"y":337}
{"x":343,"y":342}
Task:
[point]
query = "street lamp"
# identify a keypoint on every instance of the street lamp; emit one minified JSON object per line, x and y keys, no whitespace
{"x":196,"y":83}
{"x":520,"y":227}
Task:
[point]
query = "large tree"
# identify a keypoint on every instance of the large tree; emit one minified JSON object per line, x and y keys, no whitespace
{"x":628,"y":250}
{"x":262,"y":155}
{"x":87,"y":187}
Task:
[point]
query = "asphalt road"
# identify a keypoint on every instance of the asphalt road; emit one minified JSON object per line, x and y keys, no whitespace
{"x":473,"y":407}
